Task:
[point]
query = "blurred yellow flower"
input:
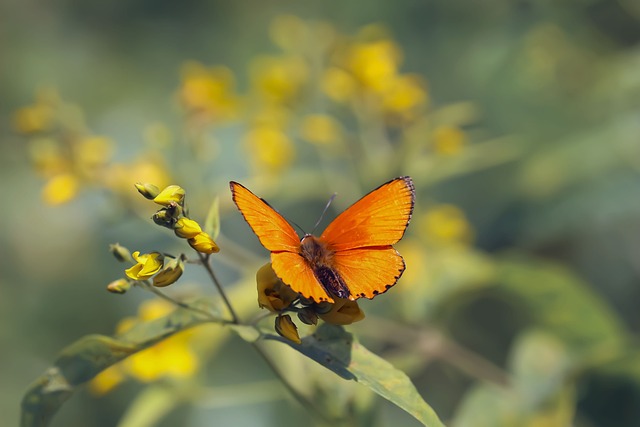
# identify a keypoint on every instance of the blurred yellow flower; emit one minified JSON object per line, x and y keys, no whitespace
{"x":270,"y":148}
{"x":48,"y":157}
{"x":60,"y":189}
{"x":272,"y":293}
{"x":339,"y":85}
{"x":375,"y":64}
{"x":279,"y":79}
{"x":174,"y":357}
{"x":416,"y":273}
{"x":35,"y":118}
{"x":147,"y":265}
{"x":449,"y":140}
{"x":343,"y":312}
{"x":321,"y":129}
{"x":404,"y":95}
{"x":445,"y":224}
{"x":289,"y":32}
{"x":203,"y":243}
{"x":209,"y":92}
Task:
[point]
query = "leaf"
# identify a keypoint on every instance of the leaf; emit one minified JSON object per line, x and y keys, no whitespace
{"x":90,"y":355}
{"x":334,"y":348}
{"x":212,"y":222}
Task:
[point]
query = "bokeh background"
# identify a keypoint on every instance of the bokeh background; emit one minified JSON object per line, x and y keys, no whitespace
{"x":518,"y":120}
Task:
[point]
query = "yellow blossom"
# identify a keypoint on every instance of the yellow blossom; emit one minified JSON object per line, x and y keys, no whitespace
{"x":272,"y":293}
{"x":321,"y":129}
{"x":279,"y":79}
{"x":374,"y":64}
{"x":203,"y":243}
{"x":60,"y":189}
{"x":449,"y":140}
{"x":171,"y":272}
{"x":92,"y":151}
{"x":171,"y":194}
{"x":48,"y":157}
{"x":445,"y":224}
{"x":343,"y":312}
{"x":339,"y":85}
{"x":403,"y":96}
{"x":106,"y":380}
{"x":119,"y":286}
{"x":148,"y":191}
{"x":270,"y":147}
{"x":32,"y":119}
{"x":210,"y":92}
{"x":147,"y":265}
{"x":187,"y":228}
{"x":287,"y":329}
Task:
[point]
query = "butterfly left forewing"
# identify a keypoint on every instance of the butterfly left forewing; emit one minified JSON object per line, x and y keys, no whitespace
{"x":378,"y":219}
{"x":368,"y":272}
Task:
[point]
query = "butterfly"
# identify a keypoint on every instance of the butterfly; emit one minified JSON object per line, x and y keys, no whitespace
{"x":352,"y":258}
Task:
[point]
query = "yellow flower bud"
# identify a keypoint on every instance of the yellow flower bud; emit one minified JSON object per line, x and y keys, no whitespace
{"x":120,"y":253}
{"x":203,"y":243}
{"x":287,"y":329}
{"x":167,"y":217}
{"x":272,"y":293}
{"x":344,"y":312}
{"x":147,"y":265}
{"x":119,"y":286}
{"x":173,"y":193}
{"x":187,"y":228}
{"x":308,"y":316}
{"x":149,"y":191}
{"x":170,"y":273}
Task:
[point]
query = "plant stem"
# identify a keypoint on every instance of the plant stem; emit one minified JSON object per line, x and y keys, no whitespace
{"x":205,"y":262}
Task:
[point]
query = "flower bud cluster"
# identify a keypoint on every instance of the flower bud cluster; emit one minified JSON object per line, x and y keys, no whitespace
{"x":277,"y":297}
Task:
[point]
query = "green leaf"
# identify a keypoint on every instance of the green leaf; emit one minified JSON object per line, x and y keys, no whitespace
{"x":212,"y":222}
{"x":336,"y":349}
{"x":90,"y":355}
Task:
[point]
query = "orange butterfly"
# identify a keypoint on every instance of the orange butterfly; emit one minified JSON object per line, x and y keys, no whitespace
{"x":352,"y":258}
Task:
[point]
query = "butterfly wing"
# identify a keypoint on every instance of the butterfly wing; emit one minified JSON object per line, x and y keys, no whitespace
{"x":294,"y":271}
{"x":378,"y":219}
{"x":277,"y":235}
{"x":273,"y":231}
{"x":369,"y":272}
{"x":362,"y":236}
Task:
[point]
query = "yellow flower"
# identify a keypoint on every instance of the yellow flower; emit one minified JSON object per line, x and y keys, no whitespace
{"x":147,"y":265}
{"x":289,"y":32}
{"x":169,"y":274}
{"x":148,"y":191}
{"x":60,"y":189}
{"x":449,"y":140}
{"x":321,"y":129}
{"x":270,"y":147}
{"x":106,"y":380}
{"x":90,"y":154}
{"x":404,"y":96}
{"x":287,"y":329}
{"x":338,"y":84}
{"x":272,"y":293}
{"x":36,"y":118}
{"x":187,"y":228}
{"x":171,"y":194}
{"x":279,"y":79}
{"x":374,"y":64}
{"x":209,"y":92}
{"x":445,"y":224}
{"x":119,"y":286}
{"x":203,"y":243}
{"x":343,"y":312}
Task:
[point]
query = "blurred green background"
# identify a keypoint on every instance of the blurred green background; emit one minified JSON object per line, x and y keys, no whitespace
{"x":547,"y":95}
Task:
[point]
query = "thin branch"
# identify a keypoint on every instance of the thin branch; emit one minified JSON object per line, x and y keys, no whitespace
{"x":205,"y":263}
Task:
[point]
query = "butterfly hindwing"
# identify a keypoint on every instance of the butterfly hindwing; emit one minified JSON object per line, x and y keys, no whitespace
{"x":370,"y":271}
{"x":294,"y":271}
{"x":273,"y":231}
{"x":378,"y":219}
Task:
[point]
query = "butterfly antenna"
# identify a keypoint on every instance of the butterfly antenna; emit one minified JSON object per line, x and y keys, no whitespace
{"x":324,"y":211}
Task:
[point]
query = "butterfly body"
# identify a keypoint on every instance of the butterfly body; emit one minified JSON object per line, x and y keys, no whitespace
{"x":353,"y":257}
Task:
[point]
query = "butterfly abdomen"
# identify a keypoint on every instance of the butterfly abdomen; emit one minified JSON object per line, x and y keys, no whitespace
{"x":319,"y":257}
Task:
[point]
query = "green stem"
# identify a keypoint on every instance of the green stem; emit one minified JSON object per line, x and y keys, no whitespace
{"x":205,"y":262}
